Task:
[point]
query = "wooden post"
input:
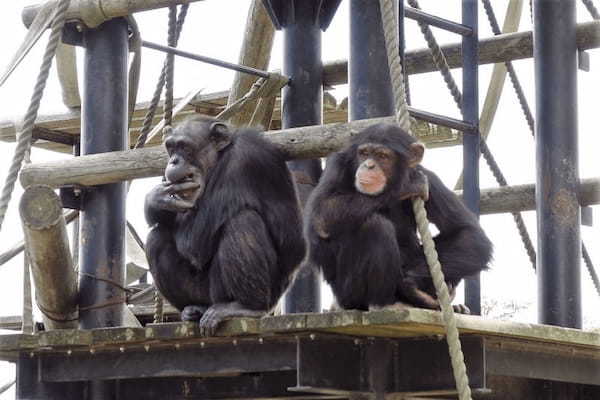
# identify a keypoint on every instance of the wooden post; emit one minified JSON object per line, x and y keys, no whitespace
{"x":51,"y":264}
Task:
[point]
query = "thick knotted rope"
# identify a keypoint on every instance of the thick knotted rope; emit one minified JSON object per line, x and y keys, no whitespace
{"x":456,"y":356}
{"x":24,"y":137}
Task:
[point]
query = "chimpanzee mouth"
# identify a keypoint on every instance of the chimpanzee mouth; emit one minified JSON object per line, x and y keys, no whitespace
{"x":192,"y":194}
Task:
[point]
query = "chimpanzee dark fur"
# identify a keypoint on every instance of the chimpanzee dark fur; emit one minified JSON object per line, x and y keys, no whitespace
{"x":232,"y":251}
{"x":367,"y":246}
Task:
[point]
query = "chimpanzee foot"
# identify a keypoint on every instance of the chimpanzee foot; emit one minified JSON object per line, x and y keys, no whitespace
{"x":420,"y":298}
{"x":218,"y":312}
{"x":461,"y":309}
{"x":193,"y":313}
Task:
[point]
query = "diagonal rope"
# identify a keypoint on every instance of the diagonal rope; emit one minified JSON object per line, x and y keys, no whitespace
{"x":589,"y":4}
{"x":390,"y":29}
{"x":530,"y":122}
{"x":440,"y":61}
{"x":24,"y":137}
{"x":489,"y":11}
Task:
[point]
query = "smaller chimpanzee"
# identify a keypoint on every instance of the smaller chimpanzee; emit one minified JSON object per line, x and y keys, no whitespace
{"x":227,"y":228}
{"x":361,"y":229}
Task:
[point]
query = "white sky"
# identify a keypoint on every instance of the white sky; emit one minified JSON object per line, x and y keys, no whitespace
{"x":511,"y":276}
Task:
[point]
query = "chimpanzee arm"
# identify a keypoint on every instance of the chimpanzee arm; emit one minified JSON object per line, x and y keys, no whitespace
{"x":335,"y":206}
{"x":462,"y":245}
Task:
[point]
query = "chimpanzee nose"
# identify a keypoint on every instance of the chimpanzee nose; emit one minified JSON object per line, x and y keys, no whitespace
{"x":370,"y":164}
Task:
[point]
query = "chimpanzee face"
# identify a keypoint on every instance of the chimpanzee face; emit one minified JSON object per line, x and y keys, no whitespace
{"x":193,"y":150}
{"x":376,"y":168}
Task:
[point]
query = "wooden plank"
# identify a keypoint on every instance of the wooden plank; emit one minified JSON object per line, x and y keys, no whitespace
{"x":408,"y":322}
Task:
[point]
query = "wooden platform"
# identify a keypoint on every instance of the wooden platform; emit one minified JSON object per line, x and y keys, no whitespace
{"x":407,"y":323}
{"x":331,"y":355}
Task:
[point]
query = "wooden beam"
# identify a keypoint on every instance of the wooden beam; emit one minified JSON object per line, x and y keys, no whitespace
{"x":500,"y":48}
{"x":51,"y":264}
{"x":93,"y":13}
{"x":304,"y":142}
{"x":522,"y":197}
{"x":255,"y":53}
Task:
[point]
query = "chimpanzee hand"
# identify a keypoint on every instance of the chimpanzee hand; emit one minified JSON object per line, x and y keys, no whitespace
{"x":164,"y":196}
{"x":417,"y":186}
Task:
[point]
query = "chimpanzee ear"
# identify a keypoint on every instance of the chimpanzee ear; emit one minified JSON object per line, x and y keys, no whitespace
{"x":416,"y":154}
{"x":220,"y":135}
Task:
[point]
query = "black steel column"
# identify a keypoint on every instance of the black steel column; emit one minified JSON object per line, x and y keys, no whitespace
{"x":301,"y":106}
{"x":103,"y":128}
{"x":370,"y":89}
{"x":470,"y":111}
{"x":558,"y":218}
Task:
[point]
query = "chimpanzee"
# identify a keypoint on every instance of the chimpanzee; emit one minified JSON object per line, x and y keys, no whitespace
{"x":226,"y":225}
{"x":361,"y":228}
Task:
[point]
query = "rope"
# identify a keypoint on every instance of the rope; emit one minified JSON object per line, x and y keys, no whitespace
{"x":438,"y":56}
{"x":530,"y":122}
{"x":440,"y":61}
{"x":589,"y":4}
{"x":24,"y":137}
{"x":489,"y":11}
{"x":590,"y":267}
{"x":147,"y":125}
{"x":262,"y":88}
{"x":397,"y":79}
{"x":170,"y":64}
{"x":158,"y":306}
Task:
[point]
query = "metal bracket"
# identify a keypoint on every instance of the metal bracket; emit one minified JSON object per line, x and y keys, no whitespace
{"x":587,"y":216}
{"x":72,"y":197}
{"x":583,"y":60}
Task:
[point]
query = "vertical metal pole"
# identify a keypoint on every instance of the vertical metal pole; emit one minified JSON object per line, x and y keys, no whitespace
{"x":370,"y":89}
{"x":75,"y":223}
{"x":103,"y":128}
{"x":558,"y":217}
{"x":302,"y":106}
{"x":470,"y":111}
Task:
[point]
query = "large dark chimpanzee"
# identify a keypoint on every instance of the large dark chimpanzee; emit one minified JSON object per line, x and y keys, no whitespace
{"x":227,"y":228}
{"x":362,"y":231}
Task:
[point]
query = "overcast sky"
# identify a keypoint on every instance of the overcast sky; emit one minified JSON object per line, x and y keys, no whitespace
{"x":215,"y":28}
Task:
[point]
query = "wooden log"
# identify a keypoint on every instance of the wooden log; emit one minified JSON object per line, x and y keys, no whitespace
{"x":18,"y":247}
{"x":506,"y":47}
{"x":119,"y":166}
{"x":51,"y":264}
{"x":522,"y":197}
{"x":93,"y":13}
{"x":255,"y":53}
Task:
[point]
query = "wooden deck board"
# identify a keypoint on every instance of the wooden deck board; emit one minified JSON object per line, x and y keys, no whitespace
{"x":410,"y":322}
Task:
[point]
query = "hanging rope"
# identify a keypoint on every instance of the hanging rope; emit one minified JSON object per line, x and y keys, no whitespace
{"x":147,"y":125}
{"x":390,"y":29}
{"x":24,"y":137}
{"x":440,"y":61}
{"x":171,"y":41}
